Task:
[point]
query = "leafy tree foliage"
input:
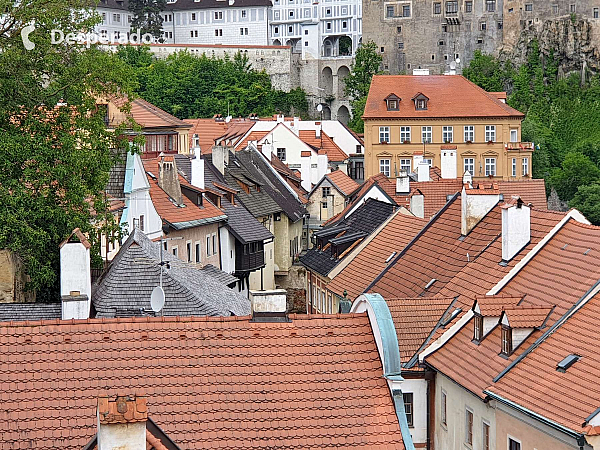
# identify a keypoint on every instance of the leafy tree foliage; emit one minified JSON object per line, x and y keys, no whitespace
{"x":190,"y":86}
{"x":366,"y":64}
{"x":587,"y":200}
{"x":147,"y":16}
{"x":487,"y":72}
{"x":56,"y":152}
{"x":577,"y":170}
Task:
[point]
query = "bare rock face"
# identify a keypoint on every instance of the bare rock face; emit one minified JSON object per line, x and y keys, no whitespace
{"x":575,"y":42}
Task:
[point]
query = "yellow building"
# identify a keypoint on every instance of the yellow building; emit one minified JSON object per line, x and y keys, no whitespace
{"x":445,"y":121}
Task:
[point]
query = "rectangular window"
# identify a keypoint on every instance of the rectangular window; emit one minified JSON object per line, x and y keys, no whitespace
{"x":596,"y":13}
{"x":175,"y":250}
{"x":447,"y":134}
{"x":193,"y":16}
{"x":326,"y":191}
{"x":514,"y":167}
{"x":426,"y":135}
{"x":513,"y":444}
{"x":384,"y":167}
{"x":218,"y":15}
{"x":189,"y":251}
{"x":469,"y":6}
{"x":490,"y":133}
{"x":214,"y":244}
{"x":243,"y":13}
{"x":136,"y":223}
{"x":197,"y":252}
{"x":404,"y":134}
{"x":117,"y":17}
{"x":207,"y":245}
{"x":490,"y":5}
{"x":443,"y":405}
{"x":428,"y":161}
{"x":483,"y":26}
{"x":525,"y":169}
{"x":554,"y":9}
{"x":406,"y":11}
{"x":437,"y":8}
{"x":514,"y":135}
{"x":469,"y":427}
{"x":486,"y":436}
{"x":469,"y":133}
{"x":529,"y":7}
{"x":405,"y":164}
{"x":490,"y":167}
{"x":452,"y":7}
{"x":477,"y":327}
{"x":384,"y":134}
{"x":469,"y":166}
{"x":142,"y":217}
{"x":408,"y":407}
{"x":389,"y":11}
{"x":281,"y":153}
{"x":506,"y":340}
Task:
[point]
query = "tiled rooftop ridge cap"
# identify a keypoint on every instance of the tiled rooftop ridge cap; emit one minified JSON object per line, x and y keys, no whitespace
{"x":482,"y":189}
{"x":123,"y":409}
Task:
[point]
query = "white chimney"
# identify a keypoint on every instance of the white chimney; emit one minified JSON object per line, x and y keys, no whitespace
{"x":220,"y":157}
{"x":402,"y":183}
{"x":122,"y":423}
{"x":272,"y":301}
{"x":468,"y":178}
{"x":417,"y":159}
{"x":423,"y":171}
{"x":322,"y":163}
{"x":448,"y":163}
{"x":280,"y":118}
{"x":475,"y":204}
{"x":516,"y":227}
{"x":75,"y":276}
{"x":305,"y":173}
{"x":266,"y":149}
{"x":296,"y":126}
{"x":318,"y":130}
{"x":417,"y":205}
{"x":197,"y":175}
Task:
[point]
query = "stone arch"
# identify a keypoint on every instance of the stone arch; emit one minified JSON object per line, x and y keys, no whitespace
{"x":276,"y":42}
{"x":327,"y":81}
{"x":326,"y":113}
{"x":328,"y":47}
{"x":343,"y":115}
{"x":342,"y":73}
{"x":345,"y":46}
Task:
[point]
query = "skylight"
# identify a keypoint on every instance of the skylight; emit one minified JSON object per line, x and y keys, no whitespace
{"x":567,"y":362}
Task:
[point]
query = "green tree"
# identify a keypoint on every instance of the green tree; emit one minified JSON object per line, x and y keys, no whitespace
{"x":56,"y":152}
{"x":577,"y":170}
{"x":587,"y":201}
{"x":147,"y":16}
{"x":487,"y":72}
{"x":366,"y":64}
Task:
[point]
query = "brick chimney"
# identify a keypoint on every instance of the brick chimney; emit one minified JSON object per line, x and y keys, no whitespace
{"x":168,"y":179}
{"x":75,"y":276}
{"x":516,"y":227}
{"x":476,"y":203}
{"x":122,"y":423}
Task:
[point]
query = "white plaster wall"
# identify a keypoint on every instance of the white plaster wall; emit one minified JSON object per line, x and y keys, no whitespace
{"x":375,"y":193}
{"x":110,"y":25}
{"x":448,"y":162}
{"x":474,"y":208}
{"x":269,"y":301}
{"x":418,"y":387}
{"x":489,"y":323}
{"x":268,"y":272}
{"x":126,"y":436}
{"x":336,"y":131}
{"x":516,"y":230}
{"x":75,"y":269}
{"x":417,"y":205}
{"x":227,"y":241}
{"x":452,"y":436}
{"x":519,"y":335}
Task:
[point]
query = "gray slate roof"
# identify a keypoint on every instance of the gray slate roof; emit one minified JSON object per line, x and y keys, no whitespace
{"x":125,"y":287}
{"x":225,"y":278}
{"x":116,"y":178}
{"x":29,"y":311}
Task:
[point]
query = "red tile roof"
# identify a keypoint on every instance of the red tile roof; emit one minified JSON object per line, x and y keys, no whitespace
{"x":530,"y":317}
{"x":149,"y":116}
{"x":493,"y":305}
{"x":170,"y":212}
{"x":449,"y":96}
{"x":312,"y":383}
{"x":530,"y":191}
{"x":343,"y":182}
{"x":363,"y":269}
{"x":207,"y":130}
{"x":252,"y":136}
{"x":325,"y":145}
{"x":123,"y":409}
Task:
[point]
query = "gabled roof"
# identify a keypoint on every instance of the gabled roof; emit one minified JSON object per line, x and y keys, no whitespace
{"x":324,"y":145}
{"x":148,"y":115}
{"x":342,"y":182}
{"x":29,"y":311}
{"x":125,"y":287}
{"x":526,"y":317}
{"x":449,"y":96}
{"x":220,"y":383}
{"x":530,"y":191}
{"x":207,"y":130}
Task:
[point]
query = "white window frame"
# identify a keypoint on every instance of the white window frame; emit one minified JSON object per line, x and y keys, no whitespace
{"x":525,"y":166}
{"x":207,"y":245}
{"x":448,"y":134}
{"x":485,"y":423}
{"x":404,"y":134}
{"x":385,"y":166}
{"x":509,"y":438}
{"x":214,"y":243}
{"x":426,"y":135}
{"x":384,"y":134}
{"x":514,"y":167}
{"x":190,"y":249}
{"x":198,"y":249}
{"x":491,"y":162}
{"x":444,"y":408}
{"x":490,"y":133}
{"x":470,"y":166}
{"x":469,"y":133}
{"x":516,"y":135}
{"x":406,"y":164}
{"x":175,"y":251}
{"x":467,"y":412}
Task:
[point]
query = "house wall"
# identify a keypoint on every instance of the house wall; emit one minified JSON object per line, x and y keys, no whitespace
{"x":286,"y":231}
{"x":319,"y":214}
{"x":115,"y":22}
{"x":452,"y":435}
{"x":318,"y":298}
{"x":532,"y":434}
{"x":418,"y":387}
{"x":267,"y":273}
{"x":13,"y":279}
{"x":193,"y":236}
{"x":227,"y":241}
{"x":375,"y":193}
{"x":479,"y":149}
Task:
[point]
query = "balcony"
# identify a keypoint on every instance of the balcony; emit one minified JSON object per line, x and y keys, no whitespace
{"x":519,"y":146}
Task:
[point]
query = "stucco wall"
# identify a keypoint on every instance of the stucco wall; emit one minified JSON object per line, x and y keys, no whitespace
{"x":267,"y":273}
{"x":13,"y":279}
{"x":196,"y":235}
{"x":418,"y":387}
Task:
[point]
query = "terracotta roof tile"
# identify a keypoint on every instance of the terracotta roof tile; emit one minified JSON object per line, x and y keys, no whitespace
{"x":325,"y":145}
{"x":443,"y":92}
{"x":530,"y":191}
{"x":216,"y":383}
{"x":343,"y":182}
{"x":207,"y":130}
{"x":148,"y":115}
{"x":527,"y":317}
{"x":493,"y":305}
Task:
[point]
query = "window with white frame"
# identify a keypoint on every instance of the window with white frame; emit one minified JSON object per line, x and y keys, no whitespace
{"x":384,"y":134}
{"x":218,"y":15}
{"x":514,"y":135}
{"x":384,"y":167}
{"x":405,"y":164}
{"x":447,"y":134}
{"x":408,"y":407}
{"x":490,"y":167}
{"x":525,"y":164}
{"x":490,"y":133}
{"x":469,"y":166}
{"x":281,"y":154}
{"x":428,"y":161}
{"x":198,"y":252}
{"x":514,"y":167}
{"x":188,"y":246}
{"x":469,"y":133}
{"x":443,"y":407}
{"x":469,"y":427}
{"x":486,"y":435}
{"x":208,"y":245}
{"x":214,"y":243}
{"x":404,"y":134}
{"x":513,"y":444}
{"x":426,"y":135}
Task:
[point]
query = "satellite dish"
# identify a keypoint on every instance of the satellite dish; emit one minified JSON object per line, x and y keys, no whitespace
{"x":319,"y":107}
{"x":452,"y":65}
{"x":228,"y":119}
{"x":157,"y":300}
{"x":457,"y":60}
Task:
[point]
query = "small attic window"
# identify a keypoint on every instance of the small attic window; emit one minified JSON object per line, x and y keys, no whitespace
{"x":420,"y":102}
{"x":393,"y":102}
{"x":506,"y":338}
{"x":477,"y":327}
{"x":567,"y":362}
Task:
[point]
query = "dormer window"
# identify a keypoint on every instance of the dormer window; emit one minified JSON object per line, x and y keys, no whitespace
{"x":506,"y":338}
{"x":477,"y":327}
{"x":393,"y":102}
{"x":420,"y":102}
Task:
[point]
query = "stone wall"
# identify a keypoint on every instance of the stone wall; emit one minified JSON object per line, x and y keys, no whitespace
{"x":13,"y":279}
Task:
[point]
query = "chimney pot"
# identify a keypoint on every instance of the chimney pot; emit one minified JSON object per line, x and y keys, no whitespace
{"x":74,"y":293}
